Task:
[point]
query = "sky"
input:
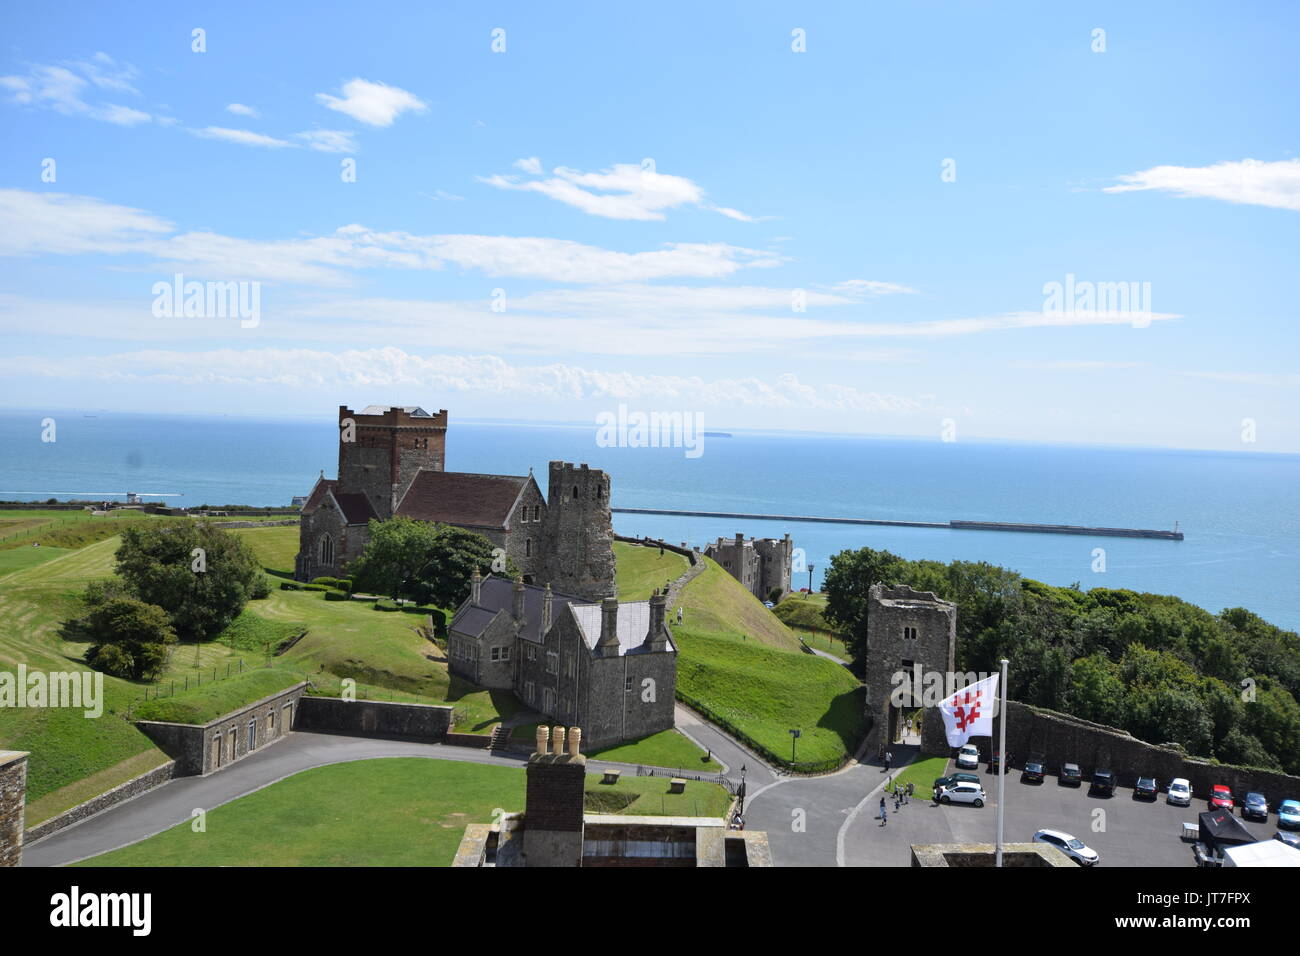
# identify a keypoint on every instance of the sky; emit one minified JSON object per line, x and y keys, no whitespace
{"x":846,"y":217}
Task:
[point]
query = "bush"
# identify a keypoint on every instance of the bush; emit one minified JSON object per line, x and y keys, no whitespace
{"x":342,"y":584}
{"x":128,"y":637}
{"x":334,"y":594}
{"x":261,"y":588}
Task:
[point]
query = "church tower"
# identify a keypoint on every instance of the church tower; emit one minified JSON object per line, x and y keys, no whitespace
{"x":579,"y":532}
{"x":381,"y":449}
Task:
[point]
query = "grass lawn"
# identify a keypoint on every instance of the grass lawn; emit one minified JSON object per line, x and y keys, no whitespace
{"x":415,"y":813}
{"x":649,"y":797}
{"x":804,"y":612}
{"x":923,"y":774}
{"x":276,"y":548}
{"x":204,"y":702}
{"x":826,"y":642}
{"x":714,"y":601}
{"x":668,"y":748}
{"x":760,"y":693}
{"x":17,"y":559}
{"x":642,"y":569}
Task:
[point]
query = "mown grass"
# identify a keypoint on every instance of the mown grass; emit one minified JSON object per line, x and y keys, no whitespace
{"x":649,"y":797}
{"x":760,"y":693}
{"x":201,"y":703}
{"x":643,"y":569}
{"x":668,"y":748}
{"x":715,"y":602}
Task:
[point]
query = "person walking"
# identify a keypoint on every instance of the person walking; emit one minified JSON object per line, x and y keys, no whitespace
{"x":883,"y":816}
{"x":889,"y":759}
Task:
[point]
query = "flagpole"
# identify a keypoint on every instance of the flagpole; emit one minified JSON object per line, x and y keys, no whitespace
{"x":1002,"y":755}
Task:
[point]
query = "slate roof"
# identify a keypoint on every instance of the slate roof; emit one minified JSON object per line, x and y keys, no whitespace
{"x":415,"y":411}
{"x":497,"y":594}
{"x":323,"y":487}
{"x":460,"y":498}
{"x":355,"y":506}
{"x":633,"y":623}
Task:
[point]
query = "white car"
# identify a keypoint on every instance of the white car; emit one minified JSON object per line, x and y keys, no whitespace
{"x":1180,"y":792}
{"x":963,"y":793}
{"x":968,"y":758}
{"x":1072,"y":847}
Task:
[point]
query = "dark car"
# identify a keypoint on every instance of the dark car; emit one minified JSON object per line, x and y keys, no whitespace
{"x":949,"y":780}
{"x":1146,"y":788}
{"x":1290,"y":839}
{"x":1071,"y":774}
{"x":1254,"y":807}
{"x":1033,"y":772}
{"x":995,"y":763}
{"x":1103,"y":783}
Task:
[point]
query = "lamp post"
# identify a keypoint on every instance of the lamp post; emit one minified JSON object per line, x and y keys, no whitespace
{"x":794,"y":738}
{"x":810,"y":571}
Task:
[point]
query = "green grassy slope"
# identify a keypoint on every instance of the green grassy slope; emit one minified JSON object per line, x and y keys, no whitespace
{"x":642,"y":569}
{"x":715,"y":602}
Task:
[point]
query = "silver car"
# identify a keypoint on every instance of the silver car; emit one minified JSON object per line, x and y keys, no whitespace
{"x":1180,"y":792}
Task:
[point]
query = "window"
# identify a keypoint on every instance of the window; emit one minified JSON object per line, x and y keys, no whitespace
{"x":552,"y":662}
{"x":568,"y":666}
{"x":326,"y":550}
{"x":252,"y":735}
{"x":548,"y":700}
{"x":501,"y":653}
{"x":537,"y":512}
{"x":528,"y":547}
{"x":524,"y":517}
{"x":627,"y":685}
{"x":532,"y":653}
{"x":909,"y":633}
{"x":530,"y":691}
{"x":575,"y":492}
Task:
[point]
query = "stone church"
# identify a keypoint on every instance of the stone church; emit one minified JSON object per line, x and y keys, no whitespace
{"x":392,"y":464}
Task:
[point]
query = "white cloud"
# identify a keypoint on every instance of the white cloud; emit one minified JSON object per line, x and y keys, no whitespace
{"x":392,"y":367}
{"x":1250,"y":181}
{"x":443,"y":196}
{"x":376,"y":104}
{"x":862,"y":288}
{"x":624,"y":191}
{"x":63,"y":88}
{"x":330,"y":140}
{"x":242,"y":136}
{"x":65,"y":224}
{"x":239,"y":109}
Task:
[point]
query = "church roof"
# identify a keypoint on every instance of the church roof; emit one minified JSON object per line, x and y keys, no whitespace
{"x":460,"y":498}
{"x":355,"y":506}
{"x":318,"y":493}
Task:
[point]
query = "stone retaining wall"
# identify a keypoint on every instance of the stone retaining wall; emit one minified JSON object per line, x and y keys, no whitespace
{"x":374,"y":718}
{"x":109,"y":798}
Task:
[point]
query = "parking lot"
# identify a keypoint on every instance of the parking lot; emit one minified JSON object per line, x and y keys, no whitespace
{"x":1124,"y":831}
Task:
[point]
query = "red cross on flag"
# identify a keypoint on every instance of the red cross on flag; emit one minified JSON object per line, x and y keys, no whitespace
{"x":969,"y":712}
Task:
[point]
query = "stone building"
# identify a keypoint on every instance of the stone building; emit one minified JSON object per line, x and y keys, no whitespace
{"x":13,"y":801}
{"x":610,"y":667}
{"x":760,"y":564}
{"x":906,"y":629}
{"x":392,"y":464}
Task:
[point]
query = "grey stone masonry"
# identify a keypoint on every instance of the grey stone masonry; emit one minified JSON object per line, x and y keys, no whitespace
{"x":762,"y":565}
{"x":579,"y":532}
{"x":905,"y":628}
{"x":13,"y":800}
{"x":199,"y":750}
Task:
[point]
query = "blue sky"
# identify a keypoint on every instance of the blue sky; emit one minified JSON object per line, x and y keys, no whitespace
{"x":652,"y":189}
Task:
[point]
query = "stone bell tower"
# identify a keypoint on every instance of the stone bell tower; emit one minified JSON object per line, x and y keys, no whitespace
{"x":579,"y":532}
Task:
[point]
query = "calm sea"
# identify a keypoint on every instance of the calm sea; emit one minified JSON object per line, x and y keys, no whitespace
{"x":1240,"y":511}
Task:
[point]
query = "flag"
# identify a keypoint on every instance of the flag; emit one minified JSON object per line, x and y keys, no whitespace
{"x":969,"y":712}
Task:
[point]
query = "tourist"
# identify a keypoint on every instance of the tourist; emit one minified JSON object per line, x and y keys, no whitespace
{"x":889,"y":759}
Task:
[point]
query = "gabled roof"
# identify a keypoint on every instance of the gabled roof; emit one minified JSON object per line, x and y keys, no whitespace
{"x":356,"y":507}
{"x":498,"y":594}
{"x":323,"y":487}
{"x":460,"y":498}
{"x":633,"y":624}
{"x":415,"y":411}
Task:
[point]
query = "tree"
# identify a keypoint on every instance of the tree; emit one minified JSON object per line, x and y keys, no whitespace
{"x":199,"y":574}
{"x":128,"y":637}
{"x":423,"y":562}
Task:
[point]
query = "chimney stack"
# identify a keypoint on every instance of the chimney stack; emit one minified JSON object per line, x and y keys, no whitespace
{"x":557,"y":742}
{"x":543,"y":739}
{"x":654,"y":638}
{"x":519,"y":598}
{"x":547,"y":598}
{"x":575,"y":741}
{"x":608,"y":643}
{"x":475,"y":587}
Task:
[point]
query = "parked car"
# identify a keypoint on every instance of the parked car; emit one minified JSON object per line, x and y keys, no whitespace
{"x":1071,"y":774}
{"x":968,"y":758}
{"x":1072,"y":847}
{"x":995,"y":763}
{"x":1221,"y":798}
{"x":1288,"y":814}
{"x":1180,"y":792}
{"x":1103,"y":783}
{"x":769,"y":605}
{"x":1146,"y":788}
{"x":971,"y":793}
{"x":1290,"y":839}
{"x":1033,"y":772}
{"x":1254,"y":806}
{"x":952,"y":778}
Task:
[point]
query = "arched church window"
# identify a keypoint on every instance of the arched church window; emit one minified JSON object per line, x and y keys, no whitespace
{"x":326,"y":550}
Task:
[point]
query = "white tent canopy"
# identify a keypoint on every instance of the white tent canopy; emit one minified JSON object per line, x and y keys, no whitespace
{"x":1264,"y":853}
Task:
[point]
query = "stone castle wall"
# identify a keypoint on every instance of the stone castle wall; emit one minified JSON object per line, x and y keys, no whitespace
{"x":13,"y":801}
{"x":373,"y":718}
{"x":579,"y":532}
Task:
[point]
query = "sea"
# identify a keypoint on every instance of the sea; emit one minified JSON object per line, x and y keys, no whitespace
{"x":1239,"y":511}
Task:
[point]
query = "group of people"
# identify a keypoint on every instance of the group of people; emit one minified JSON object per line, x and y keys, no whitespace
{"x":901,"y":796}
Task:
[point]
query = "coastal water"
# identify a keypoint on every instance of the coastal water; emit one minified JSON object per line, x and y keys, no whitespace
{"x":1240,"y":511}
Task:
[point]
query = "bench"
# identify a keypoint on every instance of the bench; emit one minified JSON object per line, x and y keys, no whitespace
{"x":611,"y":776}
{"x":677,"y":785}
